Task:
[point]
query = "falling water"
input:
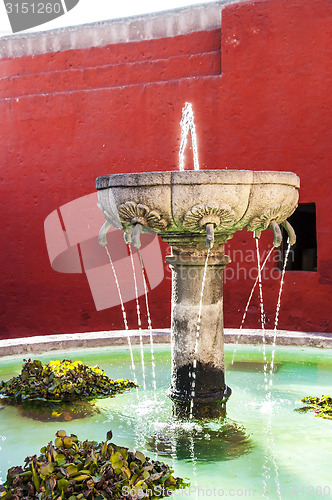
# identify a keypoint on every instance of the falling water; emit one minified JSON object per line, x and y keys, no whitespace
{"x":139,"y":322}
{"x":123,"y":314}
{"x":187,"y":123}
{"x":261,"y":302}
{"x":268,"y":431}
{"x":248,"y":303}
{"x":127,"y":330}
{"x":260,"y":286}
{"x":149,"y":323}
{"x":276,"y":319}
{"x":194,"y":462}
{"x":254,"y":287}
{"x":270,"y":457}
{"x":193,"y":374}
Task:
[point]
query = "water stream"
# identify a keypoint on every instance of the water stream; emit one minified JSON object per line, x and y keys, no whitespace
{"x":276,"y":319}
{"x":149,"y":322}
{"x":248,"y":304}
{"x":124,"y":316}
{"x":188,"y":124}
{"x":261,"y":303}
{"x":254,"y":287}
{"x":260,"y":285}
{"x":194,"y":462}
{"x":270,"y":471}
{"x":193,"y":373}
{"x":139,"y":322}
{"x":270,"y":465}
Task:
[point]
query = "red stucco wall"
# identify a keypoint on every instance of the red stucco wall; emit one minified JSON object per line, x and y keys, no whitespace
{"x":261,"y":92}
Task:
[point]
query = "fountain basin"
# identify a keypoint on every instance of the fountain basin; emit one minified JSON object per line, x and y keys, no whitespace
{"x":179,"y":205}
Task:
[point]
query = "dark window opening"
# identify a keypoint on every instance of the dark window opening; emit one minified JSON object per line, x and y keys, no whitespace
{"x":303,"y":255}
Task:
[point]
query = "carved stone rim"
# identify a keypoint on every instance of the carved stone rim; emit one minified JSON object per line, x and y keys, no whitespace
{"x":279,"y":213}
{"x":198,"y":177}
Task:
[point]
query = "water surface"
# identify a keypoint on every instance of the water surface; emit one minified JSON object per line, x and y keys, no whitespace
{"x":263,"y":449}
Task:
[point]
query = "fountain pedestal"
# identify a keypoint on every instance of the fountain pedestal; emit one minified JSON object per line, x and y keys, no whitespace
{"x":198,"y":368}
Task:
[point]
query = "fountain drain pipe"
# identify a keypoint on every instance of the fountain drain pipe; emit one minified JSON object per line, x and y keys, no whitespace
{"x":136,"y":237}
{"x":290,"y":232}
{"x":102,"y":237}
{"x":209,"y":235}
{"x":277,"y":233}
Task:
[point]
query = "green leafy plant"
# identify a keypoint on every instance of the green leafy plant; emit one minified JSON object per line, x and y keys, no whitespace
{"x":75,"y":470}
{"x":61,"y":381}
{"x":322,"y":406}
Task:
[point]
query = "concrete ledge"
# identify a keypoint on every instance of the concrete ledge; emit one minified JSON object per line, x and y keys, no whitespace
{"x":284,"y":337}
{"x":48,"y":343}
{"x":132,"y":29}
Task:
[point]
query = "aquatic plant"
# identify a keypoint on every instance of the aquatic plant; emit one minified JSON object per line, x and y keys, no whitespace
{"x":75,"y":470}
{"x":321,"y":405}
{"x":61,"y":381}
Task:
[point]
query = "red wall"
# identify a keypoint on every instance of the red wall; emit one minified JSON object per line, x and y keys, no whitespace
{"x":261,"y":92}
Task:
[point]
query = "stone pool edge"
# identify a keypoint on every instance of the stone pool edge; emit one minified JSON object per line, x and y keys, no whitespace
{"x":49,"y":343}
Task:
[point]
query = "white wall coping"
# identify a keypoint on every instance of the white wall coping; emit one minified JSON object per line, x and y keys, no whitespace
{"x":168,"y":23}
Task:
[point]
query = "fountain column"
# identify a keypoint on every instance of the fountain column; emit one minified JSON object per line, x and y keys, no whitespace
{"x":200,"y":376}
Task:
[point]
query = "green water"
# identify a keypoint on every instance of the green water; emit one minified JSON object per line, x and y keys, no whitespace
{"x":264,"y":449}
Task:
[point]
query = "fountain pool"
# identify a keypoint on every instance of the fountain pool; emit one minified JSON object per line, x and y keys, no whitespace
{"x":263,"y":448}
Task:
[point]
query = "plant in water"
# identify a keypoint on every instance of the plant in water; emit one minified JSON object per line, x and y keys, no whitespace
{"x":321,"y":405}
{"x":75,"y":470}
{"x":61,"y":381}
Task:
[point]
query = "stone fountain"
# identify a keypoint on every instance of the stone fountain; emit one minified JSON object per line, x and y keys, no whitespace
{"x":197,"y":212}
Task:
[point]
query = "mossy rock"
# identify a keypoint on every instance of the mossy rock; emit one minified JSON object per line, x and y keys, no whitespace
{"x":75,"y":470}
{"x":61,"y":381}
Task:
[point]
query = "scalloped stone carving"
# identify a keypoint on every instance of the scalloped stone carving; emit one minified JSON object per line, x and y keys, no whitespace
{"x":279,"y":213}
{"x":132,"y":213}
{"x":222,"y":216}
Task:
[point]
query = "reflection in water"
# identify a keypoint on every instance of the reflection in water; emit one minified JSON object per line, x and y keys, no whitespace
{"x":251,"y":366}
{"x":303,"y":409}
{"x":213,"y":441}
{"x":48,"y":411}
